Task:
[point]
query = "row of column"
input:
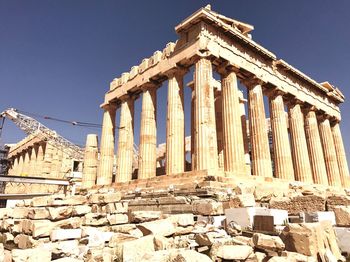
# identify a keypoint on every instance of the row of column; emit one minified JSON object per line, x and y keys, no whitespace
{"x":315,"y":153}
{"x":40,"y":160}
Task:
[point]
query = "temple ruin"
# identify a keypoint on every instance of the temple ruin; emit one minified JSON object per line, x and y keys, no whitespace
{"x":307,"y":143}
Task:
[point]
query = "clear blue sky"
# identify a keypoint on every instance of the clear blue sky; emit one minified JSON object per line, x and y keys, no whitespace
{"x":58,"y":57}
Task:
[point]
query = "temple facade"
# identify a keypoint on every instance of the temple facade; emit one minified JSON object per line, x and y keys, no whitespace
{"x":305,"y":136}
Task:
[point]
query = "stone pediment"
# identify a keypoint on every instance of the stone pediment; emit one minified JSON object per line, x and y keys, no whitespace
{"x":205,"y":13}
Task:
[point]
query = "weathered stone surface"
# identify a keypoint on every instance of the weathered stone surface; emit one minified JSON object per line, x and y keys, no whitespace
{"x":57,"y":213}
{"x":234,"y":252}
{"x":311,"y":239}
{"x":143,"y":216}
{"x":37,"y":228}
{"x":134,"y":250}
{"x":39,"y":201}
{"x":342,"y":215}
{"x":183,"y":220}
{"x":67,"y":201}
{"x":175,"y":255}
{"x":38,"y":213}
{"x":105,"y":198}
{"x":95,"y":219}
{"x":81,"y":210}
{"x":162,"y":243}
{"x":245,"y":200}
{"x":116,"y":219}
{"x":320,"y":216}
{"x":163,"y":227}
{"x":267,"y":242}
{"x":118,"y":238}
{"x":20,"y":212}
{"x":65,"y":234}
{"x":24,"y":241}
{"x":5,"y":212}
{"x":295,"y":205}
{"x":207,"y":207}
{"x":264,"y":192}
{"x":337,"y":200}
{"x":73,"y":222}
{"x":31,"y":255}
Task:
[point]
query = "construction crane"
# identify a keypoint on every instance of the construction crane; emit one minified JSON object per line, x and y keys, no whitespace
{"x":33,"y":127}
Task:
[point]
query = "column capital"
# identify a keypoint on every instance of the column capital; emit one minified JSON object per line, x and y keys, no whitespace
{"x":252,"y":82}
{"x":176,"y":71}
{"x":274,"y":92}
{"x":109,"y":106}
{"x":322,"y":117}
{"x":226,"y":67}
{"x":334,"y":120}
{"x":129,"y":96}
{"x":149,"y":85}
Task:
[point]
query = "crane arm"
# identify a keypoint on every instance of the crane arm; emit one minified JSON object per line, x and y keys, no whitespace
{"x":31,"y":126}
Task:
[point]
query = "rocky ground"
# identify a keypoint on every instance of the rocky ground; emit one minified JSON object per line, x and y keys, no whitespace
{"x":242,"y":223}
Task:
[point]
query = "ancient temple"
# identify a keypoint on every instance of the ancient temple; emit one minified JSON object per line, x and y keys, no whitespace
{"x":306,"y":140}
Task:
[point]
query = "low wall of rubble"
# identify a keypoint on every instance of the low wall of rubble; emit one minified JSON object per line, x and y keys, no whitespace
{"x":206,"y":221}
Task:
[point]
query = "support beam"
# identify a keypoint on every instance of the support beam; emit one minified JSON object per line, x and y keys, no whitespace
{"x":341,"y":155}
{"x":148,"y":134}
{"x":206,"y":152}
{"x":283,"y":164}
{"x":234,"y":158}
{"x":125,"y":154}
{"x":175,"y":125}
{"x":261,"y":158}
{"x":301,"y":162}
{"x":105,"y":171}
{"x":317,"y":161}
{"x":330,"y":156}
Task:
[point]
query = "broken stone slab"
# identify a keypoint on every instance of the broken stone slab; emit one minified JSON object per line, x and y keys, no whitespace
{"x":118,"y":238}
{"x":65,"y":234}
{"x":234,"y":252}
{"x":217,"y":221}
{"x":73,"y":222}
{"x":297,"y":204}
{"x":105,"y":198}
{"x":265,"y":191}
{"x":37,"y":228}
{"x":38,"y":213}
{"x":293,"y":256}
{"x":134,"y":250}
{"x":58,"y":213}
{"x":310,"y":217}
{"x":245,"y":216}
{"x":24,"y":241}
{"x":144,"y":216}
{"x":207,"y":207}
{"x":311,"y":239}
{"x":20,"y":212}
{"x":163,"y":227}
{"x":95,"y":219}
{"x":5,"y":212}
{"x":342,"y":215}
{"x":175,"y":255}
{"x":266,"y":242}
{"x":163,"y":243}
{"x":343,"y":235}
{"x":116,"y":219}
{"x":337,"y":200}
{"x":67,"y":201}
{"x":40,"y":201}
{"x":245,"y":200}
{"x":81,"y":210}
{"x":183,"y":220}
{"x":31,"y":255}
{"x":7,"y":239}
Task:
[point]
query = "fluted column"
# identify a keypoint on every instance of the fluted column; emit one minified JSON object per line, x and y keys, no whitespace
{"x":33,"y":155}
{"x":206,"y":151}
{"x":219,"y":126}
{"x":341,"y":155}
{"x":39,"y":161}
{"x":244,"y":128}
{"x":313,"y":139}
{"x":193,"y":121}
{"x":26,"y":160}
{"x":175,"y":125}
{"x":126,"y":141}
{"x":90,"y":161}
{"x":234,"y":158}
{"x":105,"y":170}
{"x":283,"y":164}
{"x":20,"y":163}
{"x":148,"y":134}
{"x":260,"y":149}
{"x":47,"y":161}
{"x":301,"y":162}
{"x":15,"y":166}
{"x":329,"y":152}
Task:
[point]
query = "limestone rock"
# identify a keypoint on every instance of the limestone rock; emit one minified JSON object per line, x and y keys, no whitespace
{"x":337,"y":200}
{"x":207,"y":207}
{"x":38,"y":213}
{"x":163,"y":227}
{"x":37,"y":228}
{"x":105,"y":198}
{"x":297,"y":204}
{"x":65,"y":234}
{"x":81,"y":210}
{"x":20,"y":212}
{"x":24,"y":241}
{"x":267,"y":242}
{"x":5,"y":212}
{"x":162,"y":243}
{"x":234,"y":252}
{"x":118,"y":238}
{"x":63,"y":212}
{"x":95,"y":219}
{"x":174,"y":256}
{"x":67,"y":201}
{"x":31,"y":255}
{"x":342,"y":215}
{"x":134,"y":250}
{"x":183,"y":220}
{"x":116,"y":219}
{"x":245,"y":200}
{"x":40,"y":201}
{"x":143,"y":216}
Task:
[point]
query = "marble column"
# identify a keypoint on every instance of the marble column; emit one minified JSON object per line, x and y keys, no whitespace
{"x":175,"y":124}
{"x":90,"y":161}
{"x":47,"y":160}
{"x":26,"y":160}
{"x":234,"y":156}
{"x":105,"y":170}
{"x":148,"y":134}
{"x":260,"y":148}
{"x":33,"y":155}
{"x":193,"y":121}
{"x":300,"y":155}
{"x":219,"y":126}
{"x":283,"y":164}
{"x":329,"y":152}
{"x":15,"y":166}
{"x":313,"y":139}
{"x":206,"y":151}
{"x":243,"y":117}
{"x":125,"y":154}
{"x":39,"y":161}
{"x":341,"y":155}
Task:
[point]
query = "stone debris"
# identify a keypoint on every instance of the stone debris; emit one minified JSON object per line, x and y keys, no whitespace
{"x":106,"y":226}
